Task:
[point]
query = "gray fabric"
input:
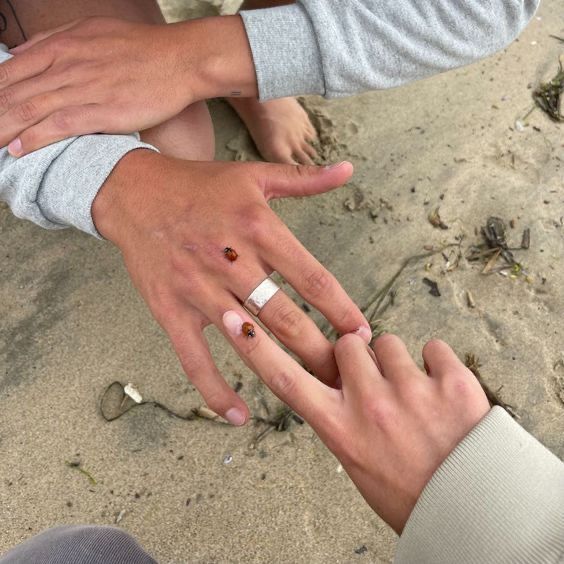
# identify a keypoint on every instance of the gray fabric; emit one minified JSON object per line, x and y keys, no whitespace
{"x":82,"y":544}
{"x":498,"y":498}
{"x":343,"y":47}
{"x":55,"y":186}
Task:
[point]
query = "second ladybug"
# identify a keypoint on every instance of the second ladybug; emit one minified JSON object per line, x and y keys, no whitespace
{"x":248,"y":329}
{"x":230,"y":254}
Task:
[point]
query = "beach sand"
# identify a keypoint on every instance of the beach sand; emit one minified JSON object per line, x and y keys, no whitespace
{"x":195,"y":491}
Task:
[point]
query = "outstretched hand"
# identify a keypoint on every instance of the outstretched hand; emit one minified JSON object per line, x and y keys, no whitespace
{"x":390,"y":425}
{"x":172,"y":221}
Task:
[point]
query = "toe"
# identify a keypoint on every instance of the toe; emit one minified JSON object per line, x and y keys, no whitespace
{"x":310,"y":150}
{"x":302,"y":157}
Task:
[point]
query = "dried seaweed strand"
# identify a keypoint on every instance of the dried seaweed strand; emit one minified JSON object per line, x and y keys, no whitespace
{"x":548,"y":96}
{"x":76,"y":466}
{"x":473,"y":364}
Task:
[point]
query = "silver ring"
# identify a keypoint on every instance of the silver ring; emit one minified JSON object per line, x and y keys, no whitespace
{"x":260,"y":296}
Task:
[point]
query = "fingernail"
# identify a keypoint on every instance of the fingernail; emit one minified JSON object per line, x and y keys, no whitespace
{"x":365,"y":333}
{"x":235,"y":416}
{"x":15,"y":148}
{"x":233,"y":323}
{"x":333,"y":166}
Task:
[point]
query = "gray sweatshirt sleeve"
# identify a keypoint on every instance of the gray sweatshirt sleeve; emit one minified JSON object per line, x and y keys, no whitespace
{"x":498,"y":497}
{"x":55,"y":186}
{"x":343,"y":47}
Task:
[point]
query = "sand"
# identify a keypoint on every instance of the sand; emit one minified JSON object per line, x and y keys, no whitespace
{"x":71,"y":323}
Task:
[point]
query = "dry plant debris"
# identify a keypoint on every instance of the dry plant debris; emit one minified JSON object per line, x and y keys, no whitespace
{"x":548,"y":96}
{"x":435,"y":219}
{"x":496,"y":247}
{"x":472,"y":362}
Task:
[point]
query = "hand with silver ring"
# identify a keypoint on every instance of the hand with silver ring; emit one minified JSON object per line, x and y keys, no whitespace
{"x":199,"y":238}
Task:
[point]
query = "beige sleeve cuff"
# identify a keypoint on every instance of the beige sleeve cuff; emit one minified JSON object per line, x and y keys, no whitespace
{"x":498,"y":497}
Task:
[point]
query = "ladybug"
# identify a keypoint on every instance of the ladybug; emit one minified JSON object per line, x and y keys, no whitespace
{"x":230,"y":254}
{"x":248,"y":329}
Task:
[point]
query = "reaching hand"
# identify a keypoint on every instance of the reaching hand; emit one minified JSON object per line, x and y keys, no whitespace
{"x":390,"y":425}
{"x":112,"y":76}
{"x":173,"y":219}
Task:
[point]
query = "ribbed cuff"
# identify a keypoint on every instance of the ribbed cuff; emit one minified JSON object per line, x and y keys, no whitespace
{"x":285,"y":52}
{"x":74,"y":178}
{"x":498,"y":497}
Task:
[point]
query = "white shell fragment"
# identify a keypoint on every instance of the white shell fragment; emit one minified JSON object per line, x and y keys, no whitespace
{"x":132,"y":392}
{"x":519,"y":126}
{"x":120,"y":516}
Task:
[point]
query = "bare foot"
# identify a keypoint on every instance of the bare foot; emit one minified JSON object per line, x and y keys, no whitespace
{"x":280,"y":129}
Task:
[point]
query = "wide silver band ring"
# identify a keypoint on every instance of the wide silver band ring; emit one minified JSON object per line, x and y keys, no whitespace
{"x":260,"y":296}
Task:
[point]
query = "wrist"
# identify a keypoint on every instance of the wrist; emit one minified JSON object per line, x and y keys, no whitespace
{"x":122,"y":193}
{"x":219,"y":61}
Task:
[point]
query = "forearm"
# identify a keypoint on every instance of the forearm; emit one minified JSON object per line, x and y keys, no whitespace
{"x":336,"y":48}
{"x":498,"y":497}
{"x":55,"y":186}
{"x":215,"y":56}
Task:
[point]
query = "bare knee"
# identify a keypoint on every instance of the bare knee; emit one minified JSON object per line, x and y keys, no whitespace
{"x":188,"y":135}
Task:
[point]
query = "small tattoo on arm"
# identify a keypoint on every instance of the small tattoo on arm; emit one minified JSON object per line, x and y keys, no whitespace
{"x":235,"y":93}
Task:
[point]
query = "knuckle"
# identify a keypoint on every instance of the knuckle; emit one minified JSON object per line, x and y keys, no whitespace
{"x":379,"y":411}
{"x":458,"y":385}
{"x":287,"y":322}
{"x":63,"y":121}
{"x":255,"y":220}
{"x":384,"y":342}
{"x":433,"y":345}
{"x":63,"y":43}
{"x":193,"y":363}
{"x":6,"y":97}
{"x":283,"y":384}
{"x":215,"y":400}
{"x":350,"y":317}
{"x":317,"y":282}
{"x":27,"y":111}
{"x":345,"y":343}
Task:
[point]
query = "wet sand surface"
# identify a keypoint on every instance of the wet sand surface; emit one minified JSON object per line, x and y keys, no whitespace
{"x":196,"y":491}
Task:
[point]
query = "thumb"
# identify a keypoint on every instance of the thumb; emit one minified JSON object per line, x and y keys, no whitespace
{"x":283,"y":181}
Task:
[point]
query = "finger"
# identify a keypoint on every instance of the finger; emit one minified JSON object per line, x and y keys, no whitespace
{"x":38,"y":37}
{"x":279,"y":181}
{"x":287,"y":321}
{"x":301,"y":335}
{"x":61,"y":124}
{"x":29,"y":112}
{"x":194,"y":355}
{"x":24,"y":66}
{"x":27,"y":89}
{"x":357,"y":368}
{"x":312,"y":281}
{"x":302,"y":157}
{"x":394,"y":359}
{"x":440,"y":359}
{"x":283,"y":375}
